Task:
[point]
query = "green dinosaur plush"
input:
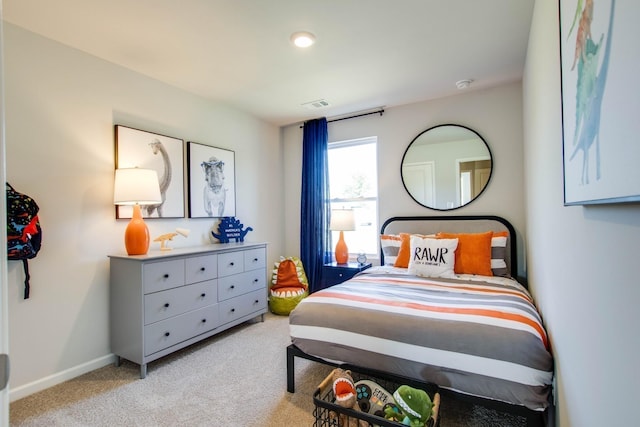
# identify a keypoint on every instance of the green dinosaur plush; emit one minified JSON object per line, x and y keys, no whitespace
{"x":414,"y":404}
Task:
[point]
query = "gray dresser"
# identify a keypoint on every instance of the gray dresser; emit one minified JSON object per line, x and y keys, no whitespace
{"x":166,"y":300}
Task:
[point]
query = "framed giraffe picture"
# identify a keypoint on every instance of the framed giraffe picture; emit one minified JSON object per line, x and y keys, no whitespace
{"x":165,"y":155}
{"x":600,"y":127}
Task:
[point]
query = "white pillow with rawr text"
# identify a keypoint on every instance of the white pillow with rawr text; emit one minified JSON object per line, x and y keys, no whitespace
{"x":432,"y":257}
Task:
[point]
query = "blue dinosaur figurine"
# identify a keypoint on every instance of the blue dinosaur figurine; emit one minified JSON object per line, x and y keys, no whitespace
{"x":230,"y":228}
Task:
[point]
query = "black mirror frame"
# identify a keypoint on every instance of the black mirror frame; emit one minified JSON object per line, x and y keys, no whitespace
{"x":456,"y":207}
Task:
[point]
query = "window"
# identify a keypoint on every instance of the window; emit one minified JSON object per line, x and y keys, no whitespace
{"x":353,"y":184}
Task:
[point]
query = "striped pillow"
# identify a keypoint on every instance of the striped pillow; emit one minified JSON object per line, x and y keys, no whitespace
{"x":390,"y":244}
{"x":499,"y":254}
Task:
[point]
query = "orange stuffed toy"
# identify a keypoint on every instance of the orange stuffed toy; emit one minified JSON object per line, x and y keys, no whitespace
{"x":344,"y":391}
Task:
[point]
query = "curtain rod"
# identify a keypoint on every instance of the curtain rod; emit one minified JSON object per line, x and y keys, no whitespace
{"x":353,"y":117}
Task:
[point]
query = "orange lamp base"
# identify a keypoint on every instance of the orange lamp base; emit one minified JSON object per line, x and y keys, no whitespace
{"x":136,"y":236}
{"x":342,"y":253}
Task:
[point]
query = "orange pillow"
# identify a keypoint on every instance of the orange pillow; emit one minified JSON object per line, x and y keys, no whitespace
{"x":404,"y":253}
{"x":405,"y":249}
{"x":473,"y":255}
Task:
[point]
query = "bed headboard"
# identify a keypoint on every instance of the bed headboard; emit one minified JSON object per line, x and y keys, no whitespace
{"x":454,"y":224}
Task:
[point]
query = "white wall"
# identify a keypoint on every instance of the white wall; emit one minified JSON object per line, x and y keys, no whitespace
{"x":4,"y":307}
{"x":582,"y":261}
{"x":496,"y":114}
{"x":61,"y":105}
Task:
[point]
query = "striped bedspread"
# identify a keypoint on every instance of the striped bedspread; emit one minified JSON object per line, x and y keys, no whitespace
{"x":482,"y":337}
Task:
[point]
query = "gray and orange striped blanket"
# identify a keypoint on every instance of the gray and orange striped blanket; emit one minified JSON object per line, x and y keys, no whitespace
{"x":476,"y":335}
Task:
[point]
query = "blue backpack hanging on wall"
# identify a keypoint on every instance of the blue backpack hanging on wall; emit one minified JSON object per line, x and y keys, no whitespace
{"x":24,"y":235}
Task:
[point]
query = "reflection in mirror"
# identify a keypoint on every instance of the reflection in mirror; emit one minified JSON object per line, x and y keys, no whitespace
{"x":446,"y":167}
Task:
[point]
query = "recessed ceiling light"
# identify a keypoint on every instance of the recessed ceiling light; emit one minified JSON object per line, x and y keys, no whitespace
{"x":303,"y":39}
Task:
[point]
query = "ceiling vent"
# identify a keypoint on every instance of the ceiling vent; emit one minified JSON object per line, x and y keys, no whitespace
{"x":463,"y":84}
{"x":314,"y":105}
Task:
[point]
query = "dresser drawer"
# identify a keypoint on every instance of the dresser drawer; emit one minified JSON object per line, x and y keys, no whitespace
{"x":230,"y":263}
{"x":162,"y":305}
{"x":254,"y":259}
{"x":166,"y":333}
{"x":159,"y":276}
{"x":242,"y":305}
{"x":256,"y":279}
{"x":232,"y":286}
{"x":201,"y":268}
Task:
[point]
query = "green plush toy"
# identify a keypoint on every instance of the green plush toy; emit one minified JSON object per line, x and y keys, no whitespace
{"x":414,"y":404}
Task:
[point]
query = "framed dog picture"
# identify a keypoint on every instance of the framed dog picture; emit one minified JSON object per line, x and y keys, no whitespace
{"x":212,"y":184}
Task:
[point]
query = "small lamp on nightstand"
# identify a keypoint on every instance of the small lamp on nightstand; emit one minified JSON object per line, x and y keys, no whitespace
{"x":135,"y":186}
{"x":342,"y":220}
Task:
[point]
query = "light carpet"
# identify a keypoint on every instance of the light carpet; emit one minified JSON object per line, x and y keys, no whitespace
{"x":235,"y":378}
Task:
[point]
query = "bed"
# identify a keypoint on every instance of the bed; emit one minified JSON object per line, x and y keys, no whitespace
{"x":477,"y":336}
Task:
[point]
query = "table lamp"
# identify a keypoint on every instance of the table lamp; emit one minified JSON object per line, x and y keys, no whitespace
{"x":136,"y":186}
{"x":342,"y":220}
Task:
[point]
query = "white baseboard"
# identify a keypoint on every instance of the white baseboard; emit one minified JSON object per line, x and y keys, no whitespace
{"x":58,"y":378}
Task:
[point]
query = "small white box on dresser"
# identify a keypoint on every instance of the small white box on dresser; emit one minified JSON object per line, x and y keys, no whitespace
{"x":166,"y":300}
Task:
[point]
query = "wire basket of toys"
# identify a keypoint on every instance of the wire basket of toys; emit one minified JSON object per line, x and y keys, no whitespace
{"x":352,"y":398}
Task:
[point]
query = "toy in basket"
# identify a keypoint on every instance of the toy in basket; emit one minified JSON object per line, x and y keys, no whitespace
{"x":341,"y":402}
{"x":344,"y":391}
{"x":415,"y":407}
{"x":373,"y":398}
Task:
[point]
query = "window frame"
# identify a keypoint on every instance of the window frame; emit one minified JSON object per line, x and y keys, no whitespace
{"x":335,"y":202}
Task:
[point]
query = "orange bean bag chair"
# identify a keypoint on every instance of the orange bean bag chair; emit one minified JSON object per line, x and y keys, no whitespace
{"x":289,"y":285}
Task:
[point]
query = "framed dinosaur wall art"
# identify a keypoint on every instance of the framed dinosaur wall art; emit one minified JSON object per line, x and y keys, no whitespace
{"x":164,"y":154}
{"x":212,"y":183}
{"x":598,"y":42}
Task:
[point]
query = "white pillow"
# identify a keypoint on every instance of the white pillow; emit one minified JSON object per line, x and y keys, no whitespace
{"x":432,"y":257}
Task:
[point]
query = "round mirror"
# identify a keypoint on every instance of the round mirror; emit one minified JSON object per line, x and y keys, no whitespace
{"x":446,"y":167}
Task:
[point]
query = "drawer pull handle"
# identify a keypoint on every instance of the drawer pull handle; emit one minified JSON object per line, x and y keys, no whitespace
{"x":255,"y":260}
{"x":255,"y":280}
{"x":204,"y":320}
{"x":166,"y":334}
{"x":166,"y":305}
{"x":257,"y":301}
{"x":202,"y":295}
{"x":233,"y":310}
{"x":202,"y":268}
{"x":166,"y":276}
{"x":232,"y":287}
{"x":231,"y":264}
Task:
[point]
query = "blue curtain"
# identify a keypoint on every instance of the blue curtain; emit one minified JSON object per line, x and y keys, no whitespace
{"x":315,"y":207}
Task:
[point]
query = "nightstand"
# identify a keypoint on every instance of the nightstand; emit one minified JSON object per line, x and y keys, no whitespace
{"x":334,"y":273}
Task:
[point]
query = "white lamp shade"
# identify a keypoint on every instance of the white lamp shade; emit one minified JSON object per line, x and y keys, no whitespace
{"x":342,"y":220}
{"x":136,"y":186}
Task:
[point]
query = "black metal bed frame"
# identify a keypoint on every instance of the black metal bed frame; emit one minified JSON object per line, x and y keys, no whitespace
{"x":534,"y":418}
